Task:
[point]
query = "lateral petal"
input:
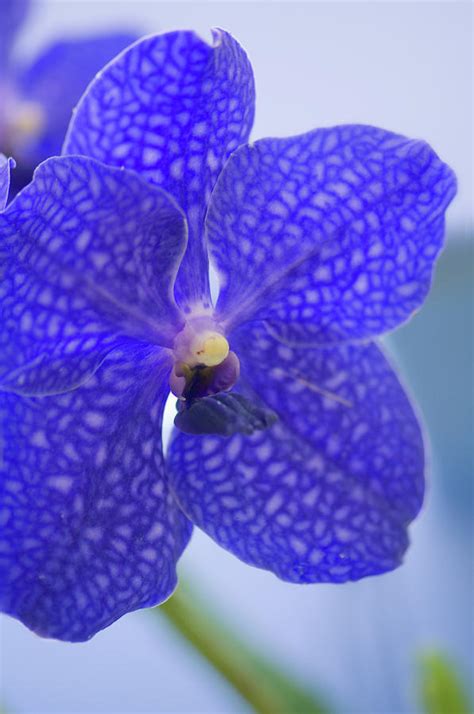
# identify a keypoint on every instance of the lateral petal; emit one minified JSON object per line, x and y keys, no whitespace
{"x":329,"y":236}
{"x":89,"y":257}
{"x":6,"y":165}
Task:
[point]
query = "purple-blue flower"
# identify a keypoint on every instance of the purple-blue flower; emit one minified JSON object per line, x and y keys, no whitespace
{"x":37,"y":99}
{"x":297,"y":448}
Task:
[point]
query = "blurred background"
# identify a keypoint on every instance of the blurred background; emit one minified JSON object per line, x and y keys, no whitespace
{"x":404,"y":66}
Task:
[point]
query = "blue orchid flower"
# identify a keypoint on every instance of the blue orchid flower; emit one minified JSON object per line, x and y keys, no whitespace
{"x":296,"y":447}
{"x":37,"y":99}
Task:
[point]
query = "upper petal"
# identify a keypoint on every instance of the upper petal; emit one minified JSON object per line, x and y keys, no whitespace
{"x":173,"y":108}
{"x":12,"y":15}
{"x":327,"y":493}
{"x":329,"y":236}
{"x":89,"y":257}
{"x":90,"y":530}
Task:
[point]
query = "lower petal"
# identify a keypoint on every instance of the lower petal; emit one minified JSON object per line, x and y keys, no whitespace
{"x":327,"y":493}
{"x":90,"y":530}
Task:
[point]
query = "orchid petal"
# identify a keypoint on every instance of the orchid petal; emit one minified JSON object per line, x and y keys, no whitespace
{"x":6,"y":165}
{"x":90,"y":257}
{"x":90,"y":530}
{"x":173,"y":108}
{"x":327,"y":493}
{"x":329,"y":236}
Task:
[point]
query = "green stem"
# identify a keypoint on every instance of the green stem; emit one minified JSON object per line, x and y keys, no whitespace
{"x":260,"y":683}
{"x":441,"y":689}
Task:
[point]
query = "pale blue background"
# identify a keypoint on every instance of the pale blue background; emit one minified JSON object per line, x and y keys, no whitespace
{"x":406,"y":67}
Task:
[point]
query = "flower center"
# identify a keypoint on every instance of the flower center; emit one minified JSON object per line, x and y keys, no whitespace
{"x":204,"y":364}
{"x":204,"y":371}
{"x":28,"y":120}
{"x":209,"y":349}
{"x":22,"y":121}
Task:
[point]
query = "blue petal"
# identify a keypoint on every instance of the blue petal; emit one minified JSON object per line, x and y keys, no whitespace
{"x":90,"y":530}
{"x":5,"y":166}
{"x":327,"y":493}
{"x":12,"y":15}
{"x":329,"y":236}
{"x":55,"y":82}
{"x":90,"y":257}
{"x":173,"y":108}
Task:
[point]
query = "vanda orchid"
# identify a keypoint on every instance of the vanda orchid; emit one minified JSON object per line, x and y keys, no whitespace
{"x":296,"y":448}
{"x":37,"y":98}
